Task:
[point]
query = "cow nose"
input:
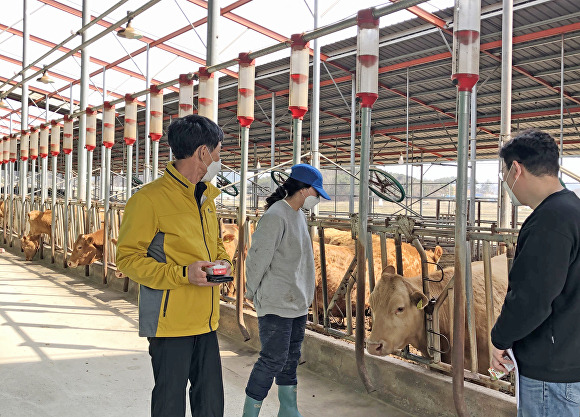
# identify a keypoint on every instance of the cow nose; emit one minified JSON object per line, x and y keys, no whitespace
{"x":374,"y":347}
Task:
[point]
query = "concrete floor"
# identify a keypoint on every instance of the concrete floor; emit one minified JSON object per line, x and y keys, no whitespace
{"x":69,"y":347}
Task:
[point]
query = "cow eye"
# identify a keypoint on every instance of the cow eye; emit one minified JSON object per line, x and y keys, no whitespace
{"x":400,"y":310}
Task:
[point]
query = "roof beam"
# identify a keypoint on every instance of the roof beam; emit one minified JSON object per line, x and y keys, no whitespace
{"x":78,"y":55}
{"x":159,"y":43}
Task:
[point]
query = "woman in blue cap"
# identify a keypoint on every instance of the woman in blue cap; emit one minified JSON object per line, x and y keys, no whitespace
{"x":280,"y":281}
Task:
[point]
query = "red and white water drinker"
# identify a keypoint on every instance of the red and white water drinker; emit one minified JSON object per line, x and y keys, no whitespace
{"x":156,"y":111}
{"x":367,"y":58}
{"x":466,"y":27}
{"x":6,"y":150}
{"x":24,"y":145}
{"x":299,"y":71}
{"x":33,"y":143}
{"x":108,"y":125}
{"x":130,"y":132}
{"x":91,"y":137}
{"x":13,"y":148}
{"x":246,"y":77}
{"x":43,"y":135}
{"x":185,"y":95}
{"x":205,"y":96}
{"x":54,"y":138}
{"x":67,"y":134}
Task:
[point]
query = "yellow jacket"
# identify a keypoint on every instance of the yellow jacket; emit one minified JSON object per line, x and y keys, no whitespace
{"x":162,"y":232}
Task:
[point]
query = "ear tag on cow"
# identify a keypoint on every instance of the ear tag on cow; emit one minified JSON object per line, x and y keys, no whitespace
{"x":420,"y":304}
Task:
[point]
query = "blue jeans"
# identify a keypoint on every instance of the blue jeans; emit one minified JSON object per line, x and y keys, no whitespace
{"x":548,"y":399}
{"x":281,"y":340}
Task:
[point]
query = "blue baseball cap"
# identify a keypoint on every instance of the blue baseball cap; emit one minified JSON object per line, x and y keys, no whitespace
{"x":311,"y":176}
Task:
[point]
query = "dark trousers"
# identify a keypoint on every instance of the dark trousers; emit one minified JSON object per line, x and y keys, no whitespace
{"x":281,"y":340}
{"x":176,"y":360}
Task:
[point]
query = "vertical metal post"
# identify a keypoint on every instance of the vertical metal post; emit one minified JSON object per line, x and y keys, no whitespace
{"x":81,"y":151}
{"x":506,"y":100}
{"x":561,"y":106}
{"x":44,"y":171}
{"x":128,"y":185}
{"x":67,"y":196}
{"x":147,"y":157}
{"x":362,"y":241}
{"x":296,"y":140}
{"x":243,"y":237}
{"x":407,"y":147}
{"x":53,"y":206}
{"x":155,"y":159}
{"x":460,"y":284}
{"x":421,"y":187}
{"x":352,"y":144}
{"x":273,"y":139}
{"x":213,"y":15}
{"x":107,"y":207}
{"x":472,"y":160}
{"x":11,"y":206}
{"x":315,"y":114}
{"x":102,"y":181}
{"x":89,"y":188}
{"x":24,"y":113}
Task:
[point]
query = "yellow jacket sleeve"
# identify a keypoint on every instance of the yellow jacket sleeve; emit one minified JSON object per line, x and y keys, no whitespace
{"x":138,"y":228}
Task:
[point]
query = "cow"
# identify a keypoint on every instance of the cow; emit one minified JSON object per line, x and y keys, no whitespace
{"x":397,"y":305}
{"x":230,"y":239}
{"x":40,"y":222}
{"x":30,"y":245}
{"x":339,"y":257}
{"x":88,"y":248}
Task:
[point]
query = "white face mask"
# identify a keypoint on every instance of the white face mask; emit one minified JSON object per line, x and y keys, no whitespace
{"x":212,"y":169}
{"x":310,"y":201}
{"x":506,"y":187}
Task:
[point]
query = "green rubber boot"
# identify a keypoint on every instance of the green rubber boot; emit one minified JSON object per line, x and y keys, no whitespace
{"x":287,"y":397}
{"x":251,"y":407}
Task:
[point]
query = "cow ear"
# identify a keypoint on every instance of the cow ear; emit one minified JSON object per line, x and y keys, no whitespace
{"x":437,"y":253}
{"x":389,"y":269}
{"x":419,"y":299}
{"x":90,"y":240}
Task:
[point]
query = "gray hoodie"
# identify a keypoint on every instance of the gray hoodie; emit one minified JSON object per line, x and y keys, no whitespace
{"x":280,"y":263}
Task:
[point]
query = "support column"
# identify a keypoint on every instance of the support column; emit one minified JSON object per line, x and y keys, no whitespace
{"x":273,"y":140}
{"x":24,"y":114}
{"x":352,"y":144}
{"x":147,"y":152}
{"x":81,"y":151}
{"x":102,"y":179}
{"x":506,"y":101}
{"x":213,"y":15}
{"x":472,"y":182}
{"x":129,"y":175}
{"x":561,"y":106}
{"x":296,"y":140}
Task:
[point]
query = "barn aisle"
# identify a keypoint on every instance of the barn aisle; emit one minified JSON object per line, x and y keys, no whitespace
{"x":70,"y":348}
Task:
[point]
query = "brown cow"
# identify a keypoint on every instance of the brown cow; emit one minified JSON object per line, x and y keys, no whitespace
{"x":87,"y":249}
{"x":399,"y":319}
{"x":40,"y":222}
{"x":30,"y":245}
{"x":339,"y":257}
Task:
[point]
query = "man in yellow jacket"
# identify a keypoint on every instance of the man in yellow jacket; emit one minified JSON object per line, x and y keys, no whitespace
{"x":169,"y":234}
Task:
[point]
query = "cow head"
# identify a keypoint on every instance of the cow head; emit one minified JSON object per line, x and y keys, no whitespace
{"x":397,"y":314}
{"x":30,"y":245}
{"x":85,"y":252}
